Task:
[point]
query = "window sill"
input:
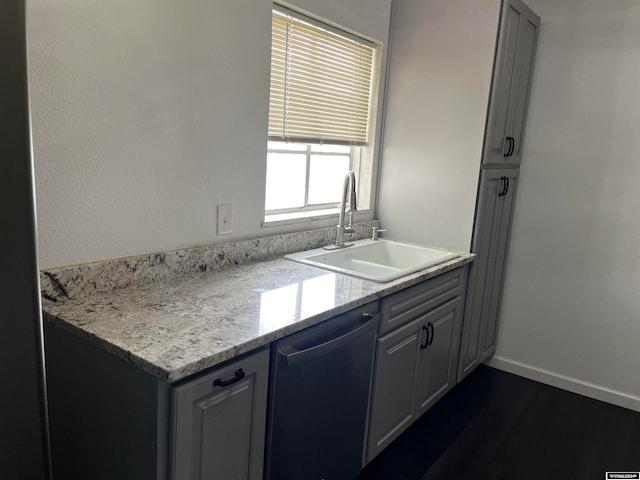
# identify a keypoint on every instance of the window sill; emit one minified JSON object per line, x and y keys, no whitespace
{"x":276,"y":220}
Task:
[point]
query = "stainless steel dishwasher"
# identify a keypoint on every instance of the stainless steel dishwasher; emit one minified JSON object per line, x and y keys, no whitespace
{"x":319,"y":398}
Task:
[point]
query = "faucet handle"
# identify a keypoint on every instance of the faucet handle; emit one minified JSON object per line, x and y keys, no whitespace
{"x":375,"y":233}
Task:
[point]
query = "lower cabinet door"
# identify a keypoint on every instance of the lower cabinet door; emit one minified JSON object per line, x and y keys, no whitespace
{"x":219,"y":422}
{"x":392,"y":404}
{"x":498,"y":257}
{"x":439,"y":354}
{"x":490,"y":244}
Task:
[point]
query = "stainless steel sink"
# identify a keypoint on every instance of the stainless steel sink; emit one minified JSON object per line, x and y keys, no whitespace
{"x":379,"y":260}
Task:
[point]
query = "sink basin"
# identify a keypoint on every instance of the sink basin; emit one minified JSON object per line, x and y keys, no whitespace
{"x":377,"y":260}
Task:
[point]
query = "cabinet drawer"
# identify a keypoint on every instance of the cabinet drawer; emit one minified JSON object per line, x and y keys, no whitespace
{"x":401,"y":307}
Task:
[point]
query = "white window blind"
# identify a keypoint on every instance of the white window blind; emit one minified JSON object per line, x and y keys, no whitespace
{"x":320,"y":84}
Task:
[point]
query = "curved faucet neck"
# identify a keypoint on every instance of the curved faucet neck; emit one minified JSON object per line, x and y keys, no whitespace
{"x":349,"y":179}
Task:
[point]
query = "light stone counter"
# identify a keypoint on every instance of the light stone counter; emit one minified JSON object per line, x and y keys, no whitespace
{"x":176,"y":313}
{"x":175,"y":328}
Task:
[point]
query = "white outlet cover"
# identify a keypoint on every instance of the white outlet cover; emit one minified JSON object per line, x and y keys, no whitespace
{"x":224,"y":219}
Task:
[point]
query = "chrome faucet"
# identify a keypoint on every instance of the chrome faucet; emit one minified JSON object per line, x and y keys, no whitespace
{"x":347,"y":207}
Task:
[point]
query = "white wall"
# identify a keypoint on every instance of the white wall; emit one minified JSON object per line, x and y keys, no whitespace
{"x":147,"y":114}
{"x":571,"y":308}
{"x":440,"y":75}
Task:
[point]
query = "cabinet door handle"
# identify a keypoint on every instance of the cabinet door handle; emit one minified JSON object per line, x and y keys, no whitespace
{"x":503,"y":190}
{"x":507,"y":140}
{"x":426,"y":340}
{"x":432,"y":335}
{"x":238,"y":375}
{"x":507,"y":183}
{"x":511,"y":146}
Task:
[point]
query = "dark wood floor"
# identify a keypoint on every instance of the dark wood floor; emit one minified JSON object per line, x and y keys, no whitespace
{"x":498,"y":426}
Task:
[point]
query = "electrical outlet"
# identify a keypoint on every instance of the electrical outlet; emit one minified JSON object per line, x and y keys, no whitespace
{"x":224,"y":219}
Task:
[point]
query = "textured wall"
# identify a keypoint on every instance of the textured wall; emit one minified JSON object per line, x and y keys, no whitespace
{"x":147,"y":115}
{"x":571,"y":309}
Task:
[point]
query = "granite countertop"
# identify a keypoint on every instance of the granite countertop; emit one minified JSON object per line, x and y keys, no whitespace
{"x":176,"y":313}
{"x":178,"y":327}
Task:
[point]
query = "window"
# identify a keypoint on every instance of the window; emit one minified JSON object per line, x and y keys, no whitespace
{"x":321,"y":99}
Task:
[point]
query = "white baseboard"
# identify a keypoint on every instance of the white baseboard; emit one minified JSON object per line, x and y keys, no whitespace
{"x":564,"y":382}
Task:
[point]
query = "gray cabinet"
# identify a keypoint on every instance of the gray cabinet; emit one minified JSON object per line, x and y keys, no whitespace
{"x":416,"y":361}
{"x":109,"y":419}
{"x":439,"y":353}
{"x":219,"y":422}
{"x":511,"y":84}
{"x":490,"y":244}
{"x":396,"y":374}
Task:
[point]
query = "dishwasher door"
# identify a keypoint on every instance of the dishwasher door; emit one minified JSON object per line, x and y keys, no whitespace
{"x":319,"y":399}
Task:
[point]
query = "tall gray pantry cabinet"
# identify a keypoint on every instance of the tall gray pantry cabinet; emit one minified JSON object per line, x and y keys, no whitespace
{"x":506,"y":119}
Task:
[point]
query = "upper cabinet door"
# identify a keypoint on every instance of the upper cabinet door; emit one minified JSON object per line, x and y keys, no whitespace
{"x":511,"y":84}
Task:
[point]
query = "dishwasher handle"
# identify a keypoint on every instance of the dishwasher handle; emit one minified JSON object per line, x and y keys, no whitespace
{"x":294,"y":356}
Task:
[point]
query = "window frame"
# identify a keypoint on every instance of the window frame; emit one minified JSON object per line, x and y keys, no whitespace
{"x":364,"y":158}
{"x":308,"y":152}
